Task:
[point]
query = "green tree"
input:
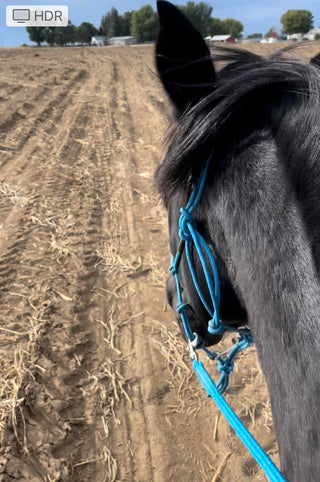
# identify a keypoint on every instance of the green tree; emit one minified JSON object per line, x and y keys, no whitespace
{"x":255,"y":35}
{"x":216,"y":26}
{"x":49,"y":35}
{"x":144,"y":24}
{"x":70,"y":33}
{"x":232,"y":27}
{"x":126,"y":23}
{"x":85,"y":32}
{"x":60,"y":35}
{"x":296,"y":21}
{"x":200,"y":16}
{"x":111,"y":23}
{"x":36,"y":34}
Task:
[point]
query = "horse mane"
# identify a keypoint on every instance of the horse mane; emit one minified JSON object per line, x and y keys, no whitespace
{"x":249,"y":93}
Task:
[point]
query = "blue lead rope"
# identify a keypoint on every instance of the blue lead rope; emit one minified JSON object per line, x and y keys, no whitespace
{"x":189,"y":238}
{"x":252,"y":445}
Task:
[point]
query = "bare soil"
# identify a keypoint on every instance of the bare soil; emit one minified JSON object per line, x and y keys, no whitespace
{"x":96,"y":383}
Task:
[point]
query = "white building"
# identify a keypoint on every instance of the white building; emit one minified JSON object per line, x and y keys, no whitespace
{"x":99,"y":40}
{"x":296,"y":37}
{"x":311,"y":35}
{"x":122,"y":40}
{"x":270,"y":40}
{"x":221,"y":38}
{"x":271,"y":37}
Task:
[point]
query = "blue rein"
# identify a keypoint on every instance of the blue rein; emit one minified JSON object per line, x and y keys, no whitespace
{"x":189,"y":238}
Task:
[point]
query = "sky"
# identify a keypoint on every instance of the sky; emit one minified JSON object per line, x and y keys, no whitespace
{"x":256,"y":15}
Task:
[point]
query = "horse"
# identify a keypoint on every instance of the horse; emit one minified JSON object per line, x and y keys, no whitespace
{"x":258,"y":120}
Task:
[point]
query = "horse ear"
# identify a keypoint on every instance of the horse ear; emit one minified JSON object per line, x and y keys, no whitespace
{"x":316,"y":60}
{"x":182,"y":58}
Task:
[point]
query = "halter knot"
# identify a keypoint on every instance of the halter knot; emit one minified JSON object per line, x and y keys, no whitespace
{"x":173,"y":269}
{"x":247,"y":337}
{"x":215,"y":327}
{"x":185,"y":220}
{"x":182,"y":307}
{"x":225,"y":367}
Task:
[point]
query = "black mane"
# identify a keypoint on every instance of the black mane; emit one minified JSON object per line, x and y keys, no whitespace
{"x":248,"y":90}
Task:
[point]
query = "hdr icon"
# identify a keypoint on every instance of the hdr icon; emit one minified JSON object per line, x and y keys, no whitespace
{"x":48,"y":16}
{"x":37,"y":15}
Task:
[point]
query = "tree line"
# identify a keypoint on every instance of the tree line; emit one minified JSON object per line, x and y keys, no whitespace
{"x":293,"y":21}
{"x":62,"y":35}
{"x":143,"y":25}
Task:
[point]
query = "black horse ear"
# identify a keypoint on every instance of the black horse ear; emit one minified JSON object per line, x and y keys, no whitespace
{"x":316,"y":60}
{"x":182,"y":58}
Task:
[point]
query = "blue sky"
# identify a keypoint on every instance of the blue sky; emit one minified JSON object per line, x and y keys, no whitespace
{"x":256,"y":15}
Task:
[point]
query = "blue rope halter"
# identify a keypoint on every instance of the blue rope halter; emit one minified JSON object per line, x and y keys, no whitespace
{"x":189,"y":237}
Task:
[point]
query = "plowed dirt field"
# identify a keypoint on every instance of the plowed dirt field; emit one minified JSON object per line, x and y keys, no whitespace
{"x":96,"y":382}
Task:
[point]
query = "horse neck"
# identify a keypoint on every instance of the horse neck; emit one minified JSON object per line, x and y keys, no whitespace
{"x":277,"y":279}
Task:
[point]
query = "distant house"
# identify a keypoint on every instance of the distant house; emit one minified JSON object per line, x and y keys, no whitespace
{"x":271,"y":37}
{"x":99,"y":40}
{"x":296,"y":37}
{"x":122,"y":41}
{"x":312,"y":34}
{"x":222,"y":39}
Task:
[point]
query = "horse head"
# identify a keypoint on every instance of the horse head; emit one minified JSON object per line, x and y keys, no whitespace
{"x":258,"y":121}
{"x":188,"y":75}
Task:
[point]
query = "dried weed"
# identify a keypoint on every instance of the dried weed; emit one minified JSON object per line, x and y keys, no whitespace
{"x":15,"y":195}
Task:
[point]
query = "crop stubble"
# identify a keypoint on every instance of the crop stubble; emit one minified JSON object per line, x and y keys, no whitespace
{"x":95,"y":381}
